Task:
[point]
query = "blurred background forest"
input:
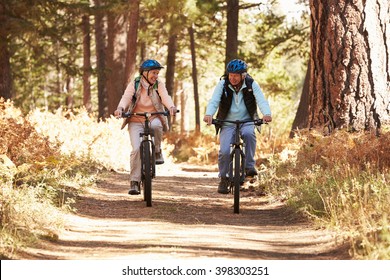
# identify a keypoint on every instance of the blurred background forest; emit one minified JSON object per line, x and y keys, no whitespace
{"x":64,"y":66}
{"x":82,"y":53}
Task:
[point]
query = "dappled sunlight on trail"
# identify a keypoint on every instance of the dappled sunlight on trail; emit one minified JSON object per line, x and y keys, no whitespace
{"x":188,"y":219}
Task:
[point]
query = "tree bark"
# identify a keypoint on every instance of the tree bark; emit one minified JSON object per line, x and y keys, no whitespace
{"x":350,"y":64}
{"x":86,"y":63}
{"x":195,"y":79}
{"x":183,"y":107}
{"x":100,"y":43}
{"x":171,"y":63}
{"x":5,"y":65}
{"x":5,"y":70}
{"x":132,"y":35}
{"x":302,"y":116}
{"x":116,"y":57}
{"x":232,"y":30}
{"x":69,"y":89}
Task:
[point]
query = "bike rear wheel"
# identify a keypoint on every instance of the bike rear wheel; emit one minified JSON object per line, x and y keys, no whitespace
{"x":237,"y":180}
{"x":147,"y":173}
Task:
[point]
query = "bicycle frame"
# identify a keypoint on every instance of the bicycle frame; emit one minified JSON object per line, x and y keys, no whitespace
{"x":237,"y":159}
{"x":147,"y":150}
{"x":238,"y":145}
{"x":148,"y":160}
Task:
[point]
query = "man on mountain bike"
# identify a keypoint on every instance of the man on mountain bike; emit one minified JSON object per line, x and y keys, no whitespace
{"x":236,"y":97}
{"x":145,"y":94}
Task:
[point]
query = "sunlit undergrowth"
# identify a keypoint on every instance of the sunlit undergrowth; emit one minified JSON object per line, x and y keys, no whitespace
{"x":342,"y":182}
{"x":38,"y":181}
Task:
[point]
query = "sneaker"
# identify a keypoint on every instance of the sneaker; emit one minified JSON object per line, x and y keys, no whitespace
{"x":251,"y":172}
{"x":223,"y":186}
{"x":159,"y":158}
{"x":134,"y":188}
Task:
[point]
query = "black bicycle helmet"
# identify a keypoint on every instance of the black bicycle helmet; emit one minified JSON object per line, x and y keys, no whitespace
{"x":149,"y":64}
{"x":236,"y":66}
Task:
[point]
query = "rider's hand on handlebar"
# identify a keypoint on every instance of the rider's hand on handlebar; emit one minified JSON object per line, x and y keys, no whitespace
{"x":118,"y":113}
{"x":172,"y":111}
{"x":208,"y":119}
{"x":267,"y":118}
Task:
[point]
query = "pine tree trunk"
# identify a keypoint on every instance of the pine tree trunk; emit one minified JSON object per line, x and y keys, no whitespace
{"x":301,"y":117}
{"x":86,"y":63}
{"x":116,"y":57}
{"x":132,"y":34}
{"x":170,"y":73}
{"x":171,"y":64}
{"x":232,"y":30}
{"x":350,"y":64}
{"x":69,"y":89}
{"x":5,"y":71}
{"x":5,"y":66}
{"x":195,"y":79}
{"x":100,"y":43}
{"x":183,"y":107}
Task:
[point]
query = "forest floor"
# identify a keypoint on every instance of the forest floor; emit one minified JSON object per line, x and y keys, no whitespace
{"x":188,"y":220}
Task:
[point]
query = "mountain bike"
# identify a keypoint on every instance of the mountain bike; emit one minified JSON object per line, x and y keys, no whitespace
{"x":237,"y":158}
{"x":148,"y":156}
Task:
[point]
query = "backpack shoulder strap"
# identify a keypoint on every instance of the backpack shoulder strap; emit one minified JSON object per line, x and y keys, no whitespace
{"x":249,"y":81}
{"x":137,"y":80}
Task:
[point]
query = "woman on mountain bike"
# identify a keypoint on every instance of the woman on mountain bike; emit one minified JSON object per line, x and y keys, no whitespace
{"x":145,"y":94}
{"x":236,"y":97}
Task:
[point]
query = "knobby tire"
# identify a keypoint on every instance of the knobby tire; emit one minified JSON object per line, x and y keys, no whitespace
{"x":236,"y":180}
{"x":142,"y":148}
{"x":147,"y":178}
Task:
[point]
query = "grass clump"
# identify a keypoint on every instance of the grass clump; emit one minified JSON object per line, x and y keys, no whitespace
{"x":38,"y":182}
{"x":341,"y":181}
{"x":27,"y":214}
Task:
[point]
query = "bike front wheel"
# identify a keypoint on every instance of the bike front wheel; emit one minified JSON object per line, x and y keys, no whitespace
{"x":147,"y":173}
{"x":237,"y":180}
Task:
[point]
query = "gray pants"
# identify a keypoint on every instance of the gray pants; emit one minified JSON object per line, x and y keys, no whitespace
{"x":135,"y":129}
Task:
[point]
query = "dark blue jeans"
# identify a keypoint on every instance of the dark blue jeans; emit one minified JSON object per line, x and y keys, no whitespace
{"x":227,"y":135}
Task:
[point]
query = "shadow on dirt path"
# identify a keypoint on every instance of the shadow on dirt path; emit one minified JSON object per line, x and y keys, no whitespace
{"x":188,"y":219}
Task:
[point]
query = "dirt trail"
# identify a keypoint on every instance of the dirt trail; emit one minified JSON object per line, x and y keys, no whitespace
{"x":188,"y":219}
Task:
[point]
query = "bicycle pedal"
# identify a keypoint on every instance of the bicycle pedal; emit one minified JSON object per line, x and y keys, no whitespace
{"x":250,"y":179}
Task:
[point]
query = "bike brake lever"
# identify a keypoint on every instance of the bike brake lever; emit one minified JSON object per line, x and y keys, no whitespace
{"x":167,"y":113}
{"x":125,"y":114}
{"x":215,"y":121}
{"x":260,"y":122}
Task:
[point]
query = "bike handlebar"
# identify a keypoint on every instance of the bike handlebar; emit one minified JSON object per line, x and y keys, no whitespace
{"x":257,"y":122}
{"x":146,"y":114}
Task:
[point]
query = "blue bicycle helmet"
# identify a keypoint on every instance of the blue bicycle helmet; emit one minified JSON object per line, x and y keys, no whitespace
{"x":150,"y":64}
{"x":236,"y":66}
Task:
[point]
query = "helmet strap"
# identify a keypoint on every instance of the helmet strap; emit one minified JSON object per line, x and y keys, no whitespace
{"x":146,"y":78}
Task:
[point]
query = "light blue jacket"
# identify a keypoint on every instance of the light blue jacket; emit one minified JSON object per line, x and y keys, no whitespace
{"x":238,"y":110}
